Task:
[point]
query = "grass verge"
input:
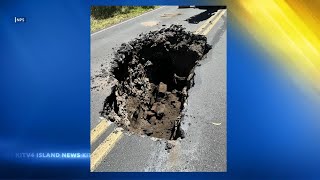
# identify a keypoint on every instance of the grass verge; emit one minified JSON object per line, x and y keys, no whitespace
{"x":97,"y":24}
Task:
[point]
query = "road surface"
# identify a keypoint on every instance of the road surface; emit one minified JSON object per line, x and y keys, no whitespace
{"x":204,"y":148}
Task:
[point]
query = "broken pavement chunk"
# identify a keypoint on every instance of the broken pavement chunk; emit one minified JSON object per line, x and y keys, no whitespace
{"x":148,"y":132}
{"x":160,"y":110}
{"x":162,"y":88}
{"x":169,"y":146}
{"x":150,"y":114}
{"x":154,"y":107}
{"x":153,"y":120}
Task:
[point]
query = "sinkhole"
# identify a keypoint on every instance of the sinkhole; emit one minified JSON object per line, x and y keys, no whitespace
{"x":153,"y":74}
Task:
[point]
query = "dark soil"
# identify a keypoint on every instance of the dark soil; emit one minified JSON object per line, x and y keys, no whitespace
{"x":153,"y":74}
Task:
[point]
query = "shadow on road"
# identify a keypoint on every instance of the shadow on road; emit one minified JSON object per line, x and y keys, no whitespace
{"x":210,"y":10}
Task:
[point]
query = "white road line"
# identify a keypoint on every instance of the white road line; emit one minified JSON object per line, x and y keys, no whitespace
{"x":126,"y":21}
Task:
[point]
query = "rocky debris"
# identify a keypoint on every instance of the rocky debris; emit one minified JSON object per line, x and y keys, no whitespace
{"x":148,"y":132}
{"x":162,"y":88}
{"x":153,"y":74}
{"x":169,"y":146}
{"x":158,"y":109}
{"x":153,"y":120}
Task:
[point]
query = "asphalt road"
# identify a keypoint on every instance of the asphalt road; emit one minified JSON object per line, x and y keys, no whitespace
{"x":204,"y":148}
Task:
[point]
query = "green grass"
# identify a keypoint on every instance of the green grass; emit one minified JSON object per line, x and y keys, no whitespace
{"x":124,"y":13}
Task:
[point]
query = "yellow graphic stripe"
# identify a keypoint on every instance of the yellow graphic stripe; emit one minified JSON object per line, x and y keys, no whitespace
{"x":289,"y":30}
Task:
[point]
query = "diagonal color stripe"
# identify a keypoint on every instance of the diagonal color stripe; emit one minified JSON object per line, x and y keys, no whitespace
{"x":287,"y":29}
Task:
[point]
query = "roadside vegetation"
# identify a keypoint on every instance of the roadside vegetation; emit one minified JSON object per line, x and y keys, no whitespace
{"x":105,"y":16}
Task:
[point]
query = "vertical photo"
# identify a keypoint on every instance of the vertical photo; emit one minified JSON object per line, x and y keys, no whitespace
{"x":158,"y":89}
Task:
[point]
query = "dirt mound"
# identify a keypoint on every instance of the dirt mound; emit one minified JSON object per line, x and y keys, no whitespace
{"x":154,"y":73}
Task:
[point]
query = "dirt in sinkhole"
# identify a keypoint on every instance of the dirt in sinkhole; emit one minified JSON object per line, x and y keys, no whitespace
{"x":153,"y":74}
